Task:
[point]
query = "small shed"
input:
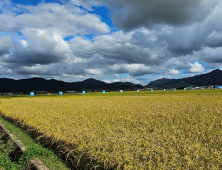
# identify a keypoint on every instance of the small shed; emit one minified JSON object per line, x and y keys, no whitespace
{"x":203,"y":87}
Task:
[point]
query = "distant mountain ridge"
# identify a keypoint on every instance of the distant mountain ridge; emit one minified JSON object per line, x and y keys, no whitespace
{"x":212,"y":78}
{"x":52,"y":85}
{"x":40,"y":84}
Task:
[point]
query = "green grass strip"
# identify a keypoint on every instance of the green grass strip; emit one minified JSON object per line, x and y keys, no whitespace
{"x":33,"y":150}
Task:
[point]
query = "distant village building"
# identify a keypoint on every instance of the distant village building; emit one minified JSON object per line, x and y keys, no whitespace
{"x":210,"y":87}
{"x":188,"y":88}
{"x":200,"y":87}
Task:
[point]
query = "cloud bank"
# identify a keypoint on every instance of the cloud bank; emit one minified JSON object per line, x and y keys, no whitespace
{"x":71,"y":42}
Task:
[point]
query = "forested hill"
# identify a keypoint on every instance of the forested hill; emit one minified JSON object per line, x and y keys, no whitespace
{"x":40,"y":84}
{"x":52,"y":85}
{"x":212,"y":78}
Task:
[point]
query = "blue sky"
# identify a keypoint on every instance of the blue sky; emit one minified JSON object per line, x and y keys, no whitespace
{"x":136,"y":41}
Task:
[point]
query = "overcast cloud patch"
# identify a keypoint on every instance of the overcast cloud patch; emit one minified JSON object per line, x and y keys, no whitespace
{"x":156,"y":39}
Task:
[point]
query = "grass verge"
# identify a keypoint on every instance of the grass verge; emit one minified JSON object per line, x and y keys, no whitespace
{"x":34,"y":150}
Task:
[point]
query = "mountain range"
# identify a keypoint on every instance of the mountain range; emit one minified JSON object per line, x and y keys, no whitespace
{"x":52,"y":85}
{"x":40,"y":84}
{"x":212,"y":78}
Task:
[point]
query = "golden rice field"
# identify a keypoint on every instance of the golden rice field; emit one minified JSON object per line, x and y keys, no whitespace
{"x":174,"y":130}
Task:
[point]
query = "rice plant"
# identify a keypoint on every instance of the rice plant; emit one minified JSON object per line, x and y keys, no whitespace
{"x":177,"y":130}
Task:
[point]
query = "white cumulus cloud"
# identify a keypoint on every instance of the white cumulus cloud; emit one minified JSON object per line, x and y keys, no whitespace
{"x":196,"y":67}
{"x":173,"y":71}
{"x":65,"y":19}
{"x":24,"y":43}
